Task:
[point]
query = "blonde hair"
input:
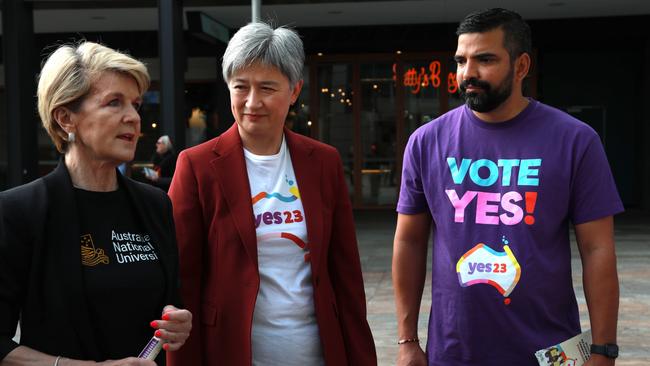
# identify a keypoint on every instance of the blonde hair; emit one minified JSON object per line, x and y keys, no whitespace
{"x":67,"y":77}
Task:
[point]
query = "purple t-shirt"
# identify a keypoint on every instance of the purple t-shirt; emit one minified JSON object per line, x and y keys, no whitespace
{"x":502,"y":197}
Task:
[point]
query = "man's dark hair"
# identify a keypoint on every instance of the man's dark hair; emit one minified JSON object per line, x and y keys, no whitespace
{"x":516,"y":31}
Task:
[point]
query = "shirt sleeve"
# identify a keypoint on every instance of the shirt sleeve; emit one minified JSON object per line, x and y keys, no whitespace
{"x":593,"y":191}
{"x":412,"y":199}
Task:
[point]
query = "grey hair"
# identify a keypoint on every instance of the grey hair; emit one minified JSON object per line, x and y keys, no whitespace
{"x":259,"y":42}
{"x":165,"y":140}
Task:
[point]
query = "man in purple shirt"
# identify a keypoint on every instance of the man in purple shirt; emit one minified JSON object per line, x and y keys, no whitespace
{"x":498,"y":182}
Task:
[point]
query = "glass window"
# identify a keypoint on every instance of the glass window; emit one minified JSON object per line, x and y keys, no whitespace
{"x":335,"y":118}
{"x":378,"y":137}
{"x":298,"y":119}
{"x":423,"y":84}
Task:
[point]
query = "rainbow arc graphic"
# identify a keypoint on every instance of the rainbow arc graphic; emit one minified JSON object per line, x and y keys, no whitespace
{"x":295,"y":194}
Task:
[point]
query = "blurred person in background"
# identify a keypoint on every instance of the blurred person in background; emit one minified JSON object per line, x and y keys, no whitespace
{"x":268,"y":252}
{"x":88,"y":259}
{"x":164,"y":163}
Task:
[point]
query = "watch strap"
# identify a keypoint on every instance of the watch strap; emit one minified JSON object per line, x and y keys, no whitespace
{"x":609,"y":350}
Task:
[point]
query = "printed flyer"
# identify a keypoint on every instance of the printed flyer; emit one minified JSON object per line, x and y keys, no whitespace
{"x":572,"y":352}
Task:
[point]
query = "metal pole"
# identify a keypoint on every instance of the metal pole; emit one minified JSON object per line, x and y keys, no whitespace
{"x":20,"y":88}
{"x":172,"y":70}
{"x":643,"y":128}
{"x":256,"y":6}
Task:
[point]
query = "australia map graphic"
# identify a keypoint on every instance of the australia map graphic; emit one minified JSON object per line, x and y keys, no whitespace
{"x":484,"y":265}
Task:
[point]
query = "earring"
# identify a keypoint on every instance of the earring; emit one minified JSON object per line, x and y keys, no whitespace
{"x":71,"y":137}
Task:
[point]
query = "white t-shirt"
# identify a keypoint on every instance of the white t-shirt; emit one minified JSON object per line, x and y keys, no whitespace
{"x":285,"y":331}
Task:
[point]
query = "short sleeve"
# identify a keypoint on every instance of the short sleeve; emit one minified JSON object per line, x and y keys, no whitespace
{"x":412,"y":199}
{"x":593,"y":191}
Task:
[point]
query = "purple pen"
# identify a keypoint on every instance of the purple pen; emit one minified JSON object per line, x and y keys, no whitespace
{"x":152,"y":349}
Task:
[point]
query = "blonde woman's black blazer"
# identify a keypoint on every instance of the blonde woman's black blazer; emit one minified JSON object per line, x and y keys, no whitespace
{"x":40,"y":263}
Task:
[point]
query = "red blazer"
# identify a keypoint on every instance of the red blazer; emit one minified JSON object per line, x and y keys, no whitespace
{"x":218,"y":252}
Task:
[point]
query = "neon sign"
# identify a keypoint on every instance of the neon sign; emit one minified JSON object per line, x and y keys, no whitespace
{"x":424,"y":78}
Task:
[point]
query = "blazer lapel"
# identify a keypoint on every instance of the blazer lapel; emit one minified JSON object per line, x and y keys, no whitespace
{"x":150,"y":225}
{"x":64,"y":232}
{"x":232,"y":177}
{"x":308,"y":173}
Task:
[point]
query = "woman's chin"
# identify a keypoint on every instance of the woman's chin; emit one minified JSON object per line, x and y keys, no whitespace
{"x":123,"y":157}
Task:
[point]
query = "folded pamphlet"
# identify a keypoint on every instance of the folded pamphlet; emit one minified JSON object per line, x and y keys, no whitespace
{"x":572,"y":352}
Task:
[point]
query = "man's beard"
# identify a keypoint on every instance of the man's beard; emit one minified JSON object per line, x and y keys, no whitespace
{"x":490,"y":98}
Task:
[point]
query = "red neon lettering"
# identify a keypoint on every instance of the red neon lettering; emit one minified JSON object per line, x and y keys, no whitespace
{"x":434,"y":68}
{"x":452,"y":83}
{"x":418,"y":80}
{"x":424,"y":78}
{"x":411,"y":79}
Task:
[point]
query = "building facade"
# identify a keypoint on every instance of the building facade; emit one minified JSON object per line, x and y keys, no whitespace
{"x":367,"y":87}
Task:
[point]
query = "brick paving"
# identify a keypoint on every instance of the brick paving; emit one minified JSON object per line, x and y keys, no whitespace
{"x":375,"y":230}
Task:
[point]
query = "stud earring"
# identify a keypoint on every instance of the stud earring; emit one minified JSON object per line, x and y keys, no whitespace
{"x":71,"y":137}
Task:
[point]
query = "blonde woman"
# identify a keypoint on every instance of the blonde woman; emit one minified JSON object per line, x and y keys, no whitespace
{"x":88,"y":259}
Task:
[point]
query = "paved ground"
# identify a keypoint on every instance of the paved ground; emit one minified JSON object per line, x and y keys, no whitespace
{"x":375,"y":232}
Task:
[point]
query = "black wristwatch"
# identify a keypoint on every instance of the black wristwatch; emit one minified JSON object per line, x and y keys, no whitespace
{"x":608,"y":350}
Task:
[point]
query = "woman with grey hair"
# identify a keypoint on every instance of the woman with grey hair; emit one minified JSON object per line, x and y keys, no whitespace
{"x":268,"y":253}
{"x":88,"y":258}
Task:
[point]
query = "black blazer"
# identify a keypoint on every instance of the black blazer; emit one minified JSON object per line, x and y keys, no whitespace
{"x":40,"y":263}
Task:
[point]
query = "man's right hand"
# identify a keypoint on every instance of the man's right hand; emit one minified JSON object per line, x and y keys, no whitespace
{"x":409,"y":273}
{"x":411,"y":354}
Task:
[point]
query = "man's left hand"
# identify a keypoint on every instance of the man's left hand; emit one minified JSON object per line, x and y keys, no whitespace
{"x":599,"y":360}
